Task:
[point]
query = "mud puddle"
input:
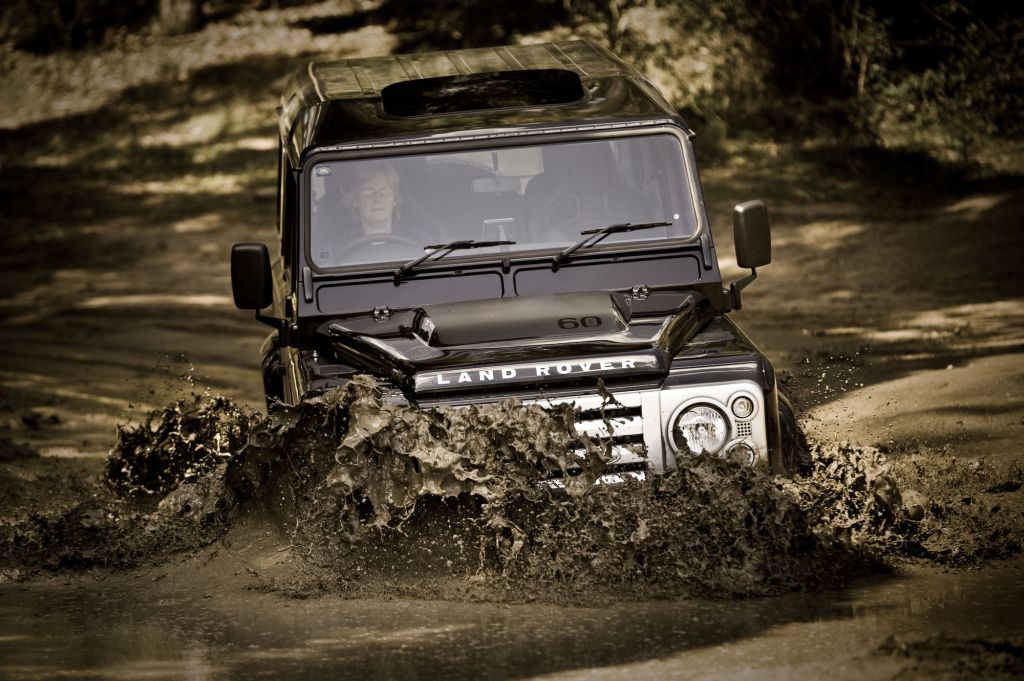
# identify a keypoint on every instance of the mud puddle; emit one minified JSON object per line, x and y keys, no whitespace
{"x":450,"y":501}
{"x":373,"y":499}
{"x":919,"y":624}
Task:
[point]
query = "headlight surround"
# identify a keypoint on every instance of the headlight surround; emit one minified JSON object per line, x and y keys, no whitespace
{"x":699,"y":429}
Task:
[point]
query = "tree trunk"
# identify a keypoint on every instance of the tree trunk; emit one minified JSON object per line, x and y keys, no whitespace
{"x":179,"y":16}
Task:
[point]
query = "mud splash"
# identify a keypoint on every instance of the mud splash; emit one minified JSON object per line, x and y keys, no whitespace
{"x":370,"y":490}
{"x":945,"y":657}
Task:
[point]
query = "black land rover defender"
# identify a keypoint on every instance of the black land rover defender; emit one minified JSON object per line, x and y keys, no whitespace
{"x":515,"y":222}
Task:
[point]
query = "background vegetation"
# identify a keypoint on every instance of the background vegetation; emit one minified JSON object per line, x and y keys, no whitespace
{"x":943,"y":78}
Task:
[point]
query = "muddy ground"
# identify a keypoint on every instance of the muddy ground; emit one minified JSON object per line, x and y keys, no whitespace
{"x":894,"y":310}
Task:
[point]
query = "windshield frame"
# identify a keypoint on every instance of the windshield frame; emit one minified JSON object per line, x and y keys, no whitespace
{"x":476,"y":142}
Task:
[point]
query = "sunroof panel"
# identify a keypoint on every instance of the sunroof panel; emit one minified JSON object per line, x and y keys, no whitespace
{"x":481,"y":91}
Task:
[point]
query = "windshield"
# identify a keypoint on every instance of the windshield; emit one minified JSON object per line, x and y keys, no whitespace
{"x":541,"y":197}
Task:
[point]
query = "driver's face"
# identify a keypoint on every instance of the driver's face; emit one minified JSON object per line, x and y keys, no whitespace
{"x":375,"y":201}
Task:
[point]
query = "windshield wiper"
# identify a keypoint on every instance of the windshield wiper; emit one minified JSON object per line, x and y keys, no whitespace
{"x":596,"y":235}
{"x":439,"y":251}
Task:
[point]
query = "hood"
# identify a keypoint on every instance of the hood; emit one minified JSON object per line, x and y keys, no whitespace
{"x":539,"y":340}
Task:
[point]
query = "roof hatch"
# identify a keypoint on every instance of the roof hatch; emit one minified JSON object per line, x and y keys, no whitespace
{"x":482,"y":91}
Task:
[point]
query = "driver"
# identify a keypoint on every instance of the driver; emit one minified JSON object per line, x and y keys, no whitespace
{"x":376,"y":229}
{"x":375,"y":199}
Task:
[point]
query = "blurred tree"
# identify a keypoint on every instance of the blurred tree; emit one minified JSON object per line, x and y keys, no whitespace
{"x":606,"y":15}
{"x":692,"y":50}
{"x":945,"y":71}
{"x":960,"y":81}
{"x":442,"y":25}
{"x":46,"y":25}
{"x":179,"y":16}
{"x":939,"y":73}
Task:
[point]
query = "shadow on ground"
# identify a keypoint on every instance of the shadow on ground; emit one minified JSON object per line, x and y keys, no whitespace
{"x":884,"y":263}
{"x":107,"y":189}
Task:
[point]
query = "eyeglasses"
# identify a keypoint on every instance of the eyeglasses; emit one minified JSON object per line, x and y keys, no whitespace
{"x":369,"y":193}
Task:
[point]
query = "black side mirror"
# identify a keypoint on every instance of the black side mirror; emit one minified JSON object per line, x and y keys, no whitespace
{"x":752,"y":234}
{"x":250,"y":276}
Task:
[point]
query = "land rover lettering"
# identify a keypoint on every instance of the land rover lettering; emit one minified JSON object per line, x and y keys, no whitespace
{"x":522,"y":373}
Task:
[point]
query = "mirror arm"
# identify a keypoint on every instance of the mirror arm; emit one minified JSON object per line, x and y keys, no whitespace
{"x":284,"y":329}
{"x":737,"y":286}
{"x":274,"y":322}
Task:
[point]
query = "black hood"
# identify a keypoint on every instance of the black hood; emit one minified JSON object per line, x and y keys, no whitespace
{"x":543,"y":339}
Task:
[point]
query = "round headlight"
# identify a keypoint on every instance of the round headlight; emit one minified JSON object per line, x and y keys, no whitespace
{"x":743,"y":407}
{"x":743,"y":452}
{"x":701,"y":429}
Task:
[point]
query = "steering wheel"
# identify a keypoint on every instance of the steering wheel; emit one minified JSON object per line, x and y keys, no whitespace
{"x":371,"y":242}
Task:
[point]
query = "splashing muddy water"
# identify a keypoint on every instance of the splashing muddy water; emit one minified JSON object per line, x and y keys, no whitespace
{"x":369,"y":490}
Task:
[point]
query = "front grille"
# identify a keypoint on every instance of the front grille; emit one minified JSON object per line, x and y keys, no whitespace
{"x":594,"y":415}
{"x":622,"y":424}
{"x":618,"y":423}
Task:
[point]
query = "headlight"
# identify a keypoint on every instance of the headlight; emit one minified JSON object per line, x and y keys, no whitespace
{"x":743,"y":452}
{"x":742,"y":407}
{"x":700,"y":429}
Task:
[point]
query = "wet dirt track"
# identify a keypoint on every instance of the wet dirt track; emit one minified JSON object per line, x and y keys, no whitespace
{"x":119,"y":628}
{"x":897,"y":321}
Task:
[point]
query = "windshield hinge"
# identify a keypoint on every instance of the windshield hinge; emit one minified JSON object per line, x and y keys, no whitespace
{"x":640,"y":292}
{"x":706,"y":249}
{"x":306,"y":280}
{"x":381,"y":314}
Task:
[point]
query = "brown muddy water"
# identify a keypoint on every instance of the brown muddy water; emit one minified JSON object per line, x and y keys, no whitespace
{"x":363,"y":490}
{"x":335,"y":540}
{"x":114,"y":630}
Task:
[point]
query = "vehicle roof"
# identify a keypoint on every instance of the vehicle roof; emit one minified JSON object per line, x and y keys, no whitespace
{"x":338,"y":103}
